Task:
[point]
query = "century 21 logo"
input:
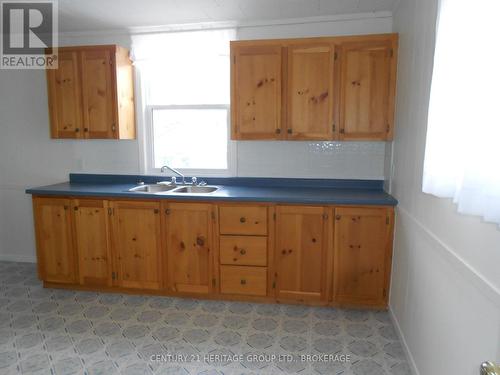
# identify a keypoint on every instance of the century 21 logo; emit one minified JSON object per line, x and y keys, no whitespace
{"x":28,"y":29}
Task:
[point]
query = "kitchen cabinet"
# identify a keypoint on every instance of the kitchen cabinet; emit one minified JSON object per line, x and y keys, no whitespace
{"x":137,"y":244}
{"x":363,"y":251}
{"x":301,"y":253}
{"x":256,"y":92}
{"x":91,"y":94}
{"x":92,"y":241}
{"x":367,"y":90}
{"x":326,"y":255}
{"x":328,"y":88}
{"x":189,"y":243}
{"x":310,"y":91}
{"x":55,"y":248}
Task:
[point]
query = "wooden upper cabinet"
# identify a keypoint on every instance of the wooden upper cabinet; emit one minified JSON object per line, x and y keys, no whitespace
{"x":301,"y":253}
{"x":367,"y":90}
{"x":190,"y":246}
{"x":98,"y":93}
{"x":91,"y":94}
{"x":92,"y":242}
{"x":65,"y":96}
{"x":314,"y":88}
{"x":362,"y":260}
{"x":137,"y":244}
{"x":55,"y":247}
{"x":256,"y":92}
{"x":310,"y":89}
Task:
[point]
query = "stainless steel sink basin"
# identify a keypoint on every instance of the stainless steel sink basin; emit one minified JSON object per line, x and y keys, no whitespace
{"x":152,"y":188}
{"x":196,"y":189}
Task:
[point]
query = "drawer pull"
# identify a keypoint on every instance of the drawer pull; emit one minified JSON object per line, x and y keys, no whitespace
{"x":283,"y":251}
{"x":243,"y":251}
{"x":200,"y":241}
{"x":243,"y":282}
{"x":243,"y":220}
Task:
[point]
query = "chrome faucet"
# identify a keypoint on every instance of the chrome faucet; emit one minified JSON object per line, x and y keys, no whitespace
{"x":194,"y":180}
{"x":166,"y":167}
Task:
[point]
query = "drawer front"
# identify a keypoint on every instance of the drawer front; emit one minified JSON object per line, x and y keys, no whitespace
{"x":250,"y":281}
{"x":243,"y":220}
{"x":243,"y":250}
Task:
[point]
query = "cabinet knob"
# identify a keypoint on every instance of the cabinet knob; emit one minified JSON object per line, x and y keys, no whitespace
{"x":86,"y":130}
{"x":283,"y":251}
{"x":243,"y":219}
{"x":278,"y":131}
{"x":243,"y":251}
{"x":337,"y":217}
{"x":243,"y":282}
{"x":200,"y":241}
{"x":77,"y":130}
{"x":289,"y":131}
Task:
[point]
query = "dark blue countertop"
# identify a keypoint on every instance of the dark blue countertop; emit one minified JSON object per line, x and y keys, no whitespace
{"x":278,"y":190}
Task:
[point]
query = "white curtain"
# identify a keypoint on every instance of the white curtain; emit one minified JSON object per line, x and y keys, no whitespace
{"x":462,"y":156}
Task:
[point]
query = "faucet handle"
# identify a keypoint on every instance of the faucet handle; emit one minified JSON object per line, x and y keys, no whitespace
{"x":194,"y":180}
{"x":202,"y":183}
{"x":173,"y":179}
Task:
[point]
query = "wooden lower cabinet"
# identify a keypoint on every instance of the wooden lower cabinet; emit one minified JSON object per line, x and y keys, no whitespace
{"x":92,"y":241}
{"x":55,"y":248}
{"x":301,"y":253}
{"x":363,"y":251}
{"x":137,"y":244}
{"x":189,"y":244}
{"x":338,"y":256}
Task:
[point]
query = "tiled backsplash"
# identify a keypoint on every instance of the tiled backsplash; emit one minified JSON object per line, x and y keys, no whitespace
{"x":363,"y":160}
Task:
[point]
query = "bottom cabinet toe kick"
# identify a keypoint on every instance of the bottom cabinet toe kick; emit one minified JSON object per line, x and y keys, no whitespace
{"x":282,"y":253}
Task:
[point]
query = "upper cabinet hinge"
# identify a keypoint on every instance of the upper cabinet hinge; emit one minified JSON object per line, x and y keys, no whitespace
{"x":391,"y":52}
{"x":110,"y":211}
{"x":274,"y":216}
{"x":325,"y":216}
{"x":234,"y":59}
{"x":335,"y":55}
{"x":387,"y":220}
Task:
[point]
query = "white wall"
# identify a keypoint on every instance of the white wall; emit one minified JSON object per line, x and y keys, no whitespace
{"x":28,"y":157}
{"x":446,"y":277}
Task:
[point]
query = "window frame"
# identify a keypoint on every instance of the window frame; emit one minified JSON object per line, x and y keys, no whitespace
{"x":198,"y":172}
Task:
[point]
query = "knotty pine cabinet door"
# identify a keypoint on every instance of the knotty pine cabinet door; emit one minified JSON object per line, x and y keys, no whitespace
{"x":301,"y":253}
{"x":367,"y":90}
{"x":363,"y":251}
{"x":256,"y":92}
{"x":189,"y":243}
{"x":137,"y":244}
{"x":55,"y":248}
{"x":98,"y":93}
{"x":65,"y":97}
{"x":310,"y":90}
{"x":92,"y":241}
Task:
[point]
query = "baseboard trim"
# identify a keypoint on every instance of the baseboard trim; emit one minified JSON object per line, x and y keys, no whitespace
{"x":17,"y":258}
{"x":409,"y":356}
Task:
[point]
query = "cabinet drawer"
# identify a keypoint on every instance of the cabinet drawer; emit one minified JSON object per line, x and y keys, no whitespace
{"x":243,"y":220}
{"x":243,"y":280}
{"x":243,"y":250}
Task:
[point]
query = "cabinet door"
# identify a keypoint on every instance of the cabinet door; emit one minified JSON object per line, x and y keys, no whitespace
{"x":65,"y":101}
{"x":189,"y":246}
{"x":367,"y":88}
{"x":301,"y":253}
{"x":98,"y":93}
{"x":137,"y":244}
{"x":362,"y":259}
{"x":91,"y":232}
{"x":256,"y":92}
{"x":55,"y":249}
{"x":310,"y":91}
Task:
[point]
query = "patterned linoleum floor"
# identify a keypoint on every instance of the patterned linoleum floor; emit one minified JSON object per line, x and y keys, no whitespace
{"x":48,"y":331}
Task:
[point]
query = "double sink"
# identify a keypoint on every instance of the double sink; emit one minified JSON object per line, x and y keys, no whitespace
{"x":161,"y":188}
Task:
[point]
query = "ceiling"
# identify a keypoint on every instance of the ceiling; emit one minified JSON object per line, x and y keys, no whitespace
{"x":97,"y":15}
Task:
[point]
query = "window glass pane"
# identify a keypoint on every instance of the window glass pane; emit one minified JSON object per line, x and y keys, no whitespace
{"x":191,"y":138}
